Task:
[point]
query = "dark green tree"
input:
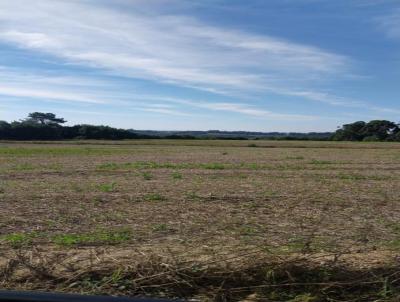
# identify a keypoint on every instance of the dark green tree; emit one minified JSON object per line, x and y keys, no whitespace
{"x":376,"y":130}
{"x":379,"y":130}
{"x":350,"y":132}
{"x":44,"y":119}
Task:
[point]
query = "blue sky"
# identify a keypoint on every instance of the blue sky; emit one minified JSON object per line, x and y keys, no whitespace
{"x":256,"y":65}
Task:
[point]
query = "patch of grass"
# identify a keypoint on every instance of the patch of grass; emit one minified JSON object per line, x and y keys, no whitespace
{"x":108,"y":166}
{"x":270,"y":194}
{"x":24,"y":167}
{"x":294,"y":245}
{"x":107,"y":188}
{"x":162,"y":227}
{"x":154,"y":197}
{"x":103,"y":237}
{"x":17,"y":240}
{"x":176,"y":175}
{"x":300,"y":244}
{"x":248,"y":230}
{"x":192,"y":196}
{"x":147,"y":176}
{"x":393,"y":244}
{"x":252,"y":166}
{"x":54,"y":167}
{"x":252,"y":145}
{"x":395,"y":227}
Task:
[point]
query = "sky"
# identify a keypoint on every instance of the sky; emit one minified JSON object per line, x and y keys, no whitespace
{"x":253,"y":65}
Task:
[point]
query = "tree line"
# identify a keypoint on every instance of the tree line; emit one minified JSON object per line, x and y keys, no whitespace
{"x":47,"y":126}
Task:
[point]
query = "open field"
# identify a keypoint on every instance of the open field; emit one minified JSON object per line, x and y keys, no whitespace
{"x":213,"y":220}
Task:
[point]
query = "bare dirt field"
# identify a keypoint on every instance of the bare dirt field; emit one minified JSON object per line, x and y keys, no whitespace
{"x":205,"y":220}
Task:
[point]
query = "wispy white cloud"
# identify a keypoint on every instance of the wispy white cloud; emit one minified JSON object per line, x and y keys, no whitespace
{"x":79,"y":89}
{"x":54,"y":86}
{"x":261,"y":112}
{"x":327,"y":98}
{"x":164,"y":111}
{"x":386,"y":110}
{"x":254,"y":111}
{"x":168,"y":48}
{"x":45,"y":94}
{"x":88,"y":90}
{"x":44,"y":77}
{"x":241,"y":108}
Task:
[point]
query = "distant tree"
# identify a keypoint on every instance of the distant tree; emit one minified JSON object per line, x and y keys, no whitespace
{"x":44,"y":119}
{"x":350,"y":132}
{"x":379,"y":130}
{"x":103,"y":132}
{"x":376,"y":130}
{"x":5,"y":130}
{"x":4,"y":125}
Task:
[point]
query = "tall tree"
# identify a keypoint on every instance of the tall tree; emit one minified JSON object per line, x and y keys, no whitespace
{"x":380,"y":129}
{"x":44,"y":119}
{"x":350,"y":132}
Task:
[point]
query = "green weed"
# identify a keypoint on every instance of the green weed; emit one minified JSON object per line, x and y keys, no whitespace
{"x":104,"y":237}
{"x":24,"y":167}
{"x":154,"y":197}
{"x":192,"y":196}
{"x":252,"y":166}
{"x":176,"y":175}
{"x":107,"y":188}
{"x":248,"y":230}
{"x":108,"y":166}
{"x":393,"y":244}
{"x":17,"y":240}
{"x":160,"y":227}
{"x":147,"y":176}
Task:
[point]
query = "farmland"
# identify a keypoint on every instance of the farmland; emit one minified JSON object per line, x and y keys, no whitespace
{"x":211,"y":220}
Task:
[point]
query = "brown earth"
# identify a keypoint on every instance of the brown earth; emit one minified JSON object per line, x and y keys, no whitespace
{"x":214,"y":220}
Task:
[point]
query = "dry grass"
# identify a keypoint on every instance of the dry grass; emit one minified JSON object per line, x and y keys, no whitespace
{"x":215,"y":220}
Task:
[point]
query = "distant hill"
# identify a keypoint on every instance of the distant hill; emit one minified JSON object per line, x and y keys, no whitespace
{"x":213,"y":134}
